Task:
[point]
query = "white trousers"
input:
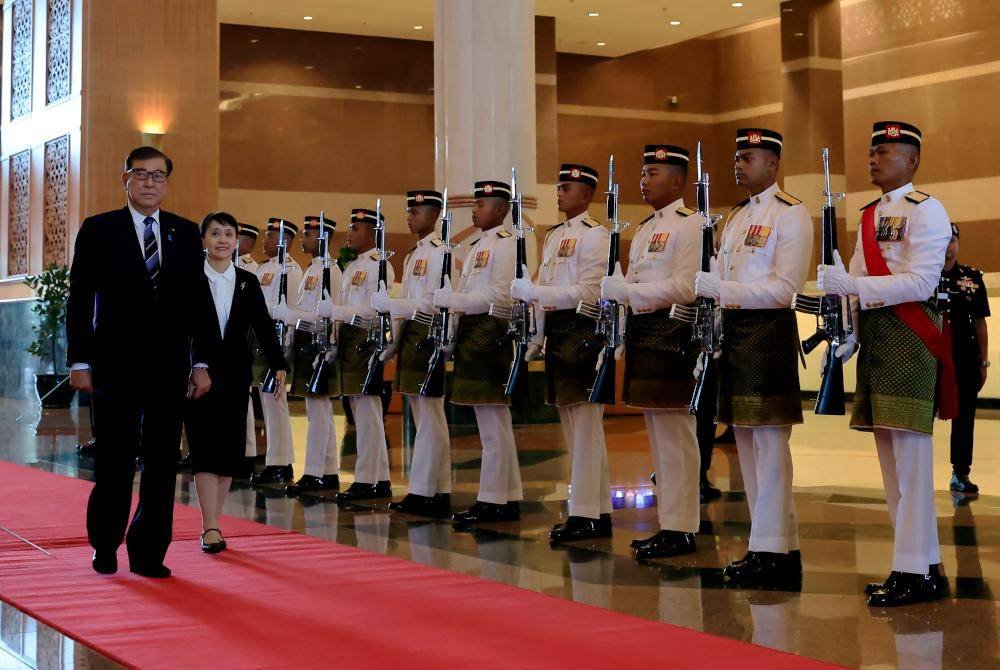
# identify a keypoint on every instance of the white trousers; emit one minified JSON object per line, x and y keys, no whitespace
{"x":677,"y":463}
{"x":372,"y":465}
{"x":251,"y":451}
{"x":430,"y":469}
{"x":278,"y":426}
{"x":907,"y":461}
{"x":583,"y":431}
{"x":322,"y":450}
{"x":500,"y":473}
{"x":766,"y":463}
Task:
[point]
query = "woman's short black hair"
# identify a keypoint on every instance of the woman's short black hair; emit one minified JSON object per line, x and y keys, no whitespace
{"x":225,"y":218}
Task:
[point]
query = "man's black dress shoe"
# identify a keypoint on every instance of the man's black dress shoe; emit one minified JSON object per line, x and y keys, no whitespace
{"x":581,"y":528}
{"x":707,"y":492}
{"x":213,"y":547}
{"x":155,"y":571}
{"x":962,"y":484}
{"x":767,"y":569}
{"x":273,"y":475}
{"x":906,"y":589}
{"x":638,"y":542}
{"x":105,"y":563}
{"x":938,"y":586}
{"x":484,"y":512}
{"x":363,"y":491}
{"x":87,"y":448}
{"x":311,"y":484}
{"x":437,"y":506}
{"x":331,"y":482}
{"x":667,"y":543}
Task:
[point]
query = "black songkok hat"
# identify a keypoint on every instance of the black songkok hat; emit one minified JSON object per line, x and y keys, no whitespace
{"x":492,"y":189}
{"x":577,"y":172}
{"x":424,"y":197}
{"x":366,"y":215}
{"x":666,"y":154}
{"x":249,"y":231}
{"x":312,"y":223}
{"x":758,"y":138}
{"x":275,"y":223}
{"x":887,"y":132}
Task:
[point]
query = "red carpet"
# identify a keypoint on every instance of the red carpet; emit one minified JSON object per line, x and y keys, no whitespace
{"x":286,"y":600}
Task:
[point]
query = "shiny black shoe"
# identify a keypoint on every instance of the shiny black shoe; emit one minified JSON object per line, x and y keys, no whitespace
{"x":962,"y":484}
{"x":438,"y":507}
{"x":306,"y":484}
{"x":483,"y":512}
{"x":707,"y":492}
{"x":331,"y":482}
{"x":512,"y":510}
{"x":667,"y":543}
{"x":105,"y":563}
{"x":766,"y":569}
{"x":155,"y":571}
{"x":638,"y":542}
{"x":940,"y":585}
{"x":411,"y":504}
{"x":906,"y":589}
{"x":88,"y":448}
{"x":888,"y":583}
{"x":273,"y":475}
{"x":579,"y":528}
{"x":362,"y":491}
{"x":213,"y":547}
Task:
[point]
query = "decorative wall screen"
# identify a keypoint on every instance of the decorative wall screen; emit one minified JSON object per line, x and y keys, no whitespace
{"x":21,"y":50}
{"x":57,"y":66}
{"x":19,"y":169}
{"x":56,"y":191}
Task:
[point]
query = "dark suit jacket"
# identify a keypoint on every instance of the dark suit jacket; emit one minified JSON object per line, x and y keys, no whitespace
{"x":117,"y":323}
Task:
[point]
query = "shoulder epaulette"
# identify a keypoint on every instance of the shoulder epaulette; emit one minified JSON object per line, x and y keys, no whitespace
{"x":590,"y":223}
{"x":647,"y":218}
{"x":916,"y":196}
{"x":558,"y":225}
{"x":686,"y":211}
{"x":410,"y":251}
{"x":435,"y":243}
{"x":246,"y":258}
{"x":504,"y":234}
{"x":787,"y":199}
{"x":374,"y":256}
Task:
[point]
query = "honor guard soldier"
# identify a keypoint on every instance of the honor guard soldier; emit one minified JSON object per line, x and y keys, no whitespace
{"x":321,"y":472}
{"x":574,"y":257}
{"x":246,"y":241}
{"x":968,"y":307}
{"x":360,"y":282}
{"x":483,"y":357}
{"x":763,"y":261}
{"x":430,"y":470}
{"x":277,"y":422}
{"x":894,"y":273}
{"x":663,"y":259}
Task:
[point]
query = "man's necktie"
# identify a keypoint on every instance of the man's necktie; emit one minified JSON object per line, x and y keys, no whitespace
{"x":151,"y":251}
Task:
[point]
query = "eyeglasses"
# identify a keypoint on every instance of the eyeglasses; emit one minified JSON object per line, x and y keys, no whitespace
{"x":159,"y":176}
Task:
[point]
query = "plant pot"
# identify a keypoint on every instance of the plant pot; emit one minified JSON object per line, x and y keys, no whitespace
{"x":61,"y":397}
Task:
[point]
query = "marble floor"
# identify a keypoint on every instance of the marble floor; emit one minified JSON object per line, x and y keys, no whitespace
{"x":844,"y":528}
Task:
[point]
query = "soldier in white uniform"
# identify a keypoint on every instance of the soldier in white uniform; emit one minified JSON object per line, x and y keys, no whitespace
{"x":574,"y":259}
{"x":277,"y":422}
{"x":894,"y":273}
{"x":663,"y":259}
{"x":246,"y":241}
{"x":322,"y":466}
{"x":763,"y":261}
{"x":483,"y":354}
{"x":371,"y":471}
{"x":430,"y":469}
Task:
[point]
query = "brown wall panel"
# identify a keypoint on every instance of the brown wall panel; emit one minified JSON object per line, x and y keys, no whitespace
{"x":748,"y":68}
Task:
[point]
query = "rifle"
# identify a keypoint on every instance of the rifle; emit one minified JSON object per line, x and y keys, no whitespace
{"x":439,"y":324}
{"x":326,"y":339}
{"x":702,"y":315}
{"x":609,"y":314}
{"x":380,"y":326}
{"x":270,"y":383}
{"x":833,"y":313}
{"x":520,"y":316}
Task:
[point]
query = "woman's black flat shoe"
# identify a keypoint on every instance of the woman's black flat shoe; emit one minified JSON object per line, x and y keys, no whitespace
{"x":212,"y":547}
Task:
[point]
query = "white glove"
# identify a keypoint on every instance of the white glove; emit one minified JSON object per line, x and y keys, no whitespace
{"x":615,"y":287}
{"x":835,"y":279}
{"x":522,"y":288}
{"x":380,"y":299}
{"x":708,"y":284}
{"x":342,"y":313}
{"x":444,"y":297}
{"x":534,"y":352}
{"x":325,"y":305}
{"x":388,"y":353}
{"x":699,"y":367}
{"x":282,"y":312}
{"x":848,"y":348}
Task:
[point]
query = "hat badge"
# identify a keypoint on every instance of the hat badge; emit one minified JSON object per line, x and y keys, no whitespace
{"x":419,"y":197}
{"x":892,"y":131}
{"x":660,"y":154}
{"x":753,"y":137}
{"x":575,"y":173}
{"x":487,"y":188}
{"x":359,"y":215}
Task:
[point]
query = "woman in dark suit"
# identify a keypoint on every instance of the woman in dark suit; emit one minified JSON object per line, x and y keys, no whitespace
{"x":217,"y":422}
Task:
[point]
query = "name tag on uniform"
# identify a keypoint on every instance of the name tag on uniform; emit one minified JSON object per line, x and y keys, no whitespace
{"x":567,"y":247}
{"x":420,"y":267}
{"x":359,"y":278}
{"x":310,"y":282}
{"x":757,"y":236}
{"x":266,"y":279}
{"x":657,"y":243}
{"x":482,"y":259}
{"x":890,"y":228}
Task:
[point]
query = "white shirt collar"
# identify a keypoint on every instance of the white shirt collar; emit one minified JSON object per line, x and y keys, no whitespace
{"x":896,"y":194}
{"x":229,"y":274}
{"x":765,"y":195}
{"x":672,"y":207}
{"x":576,"y":219}
{"x":139,"y":219}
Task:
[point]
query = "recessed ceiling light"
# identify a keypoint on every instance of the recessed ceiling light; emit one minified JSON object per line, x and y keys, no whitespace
{"x":675,"y":23}
{"x":737,"y":4}
{"x":593,"y":13}
{"x":357,"y":86}
{"x":308,"y":18}
{"x":254,"y":41}
{"x":418,"y":27}
{"x":310,"y":67}
{"x":601,"y":44}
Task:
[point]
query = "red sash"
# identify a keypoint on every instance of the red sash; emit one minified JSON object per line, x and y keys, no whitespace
{"x":938,"y":342}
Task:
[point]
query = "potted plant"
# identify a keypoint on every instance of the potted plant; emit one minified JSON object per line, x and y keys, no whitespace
{"x":51,"y":290}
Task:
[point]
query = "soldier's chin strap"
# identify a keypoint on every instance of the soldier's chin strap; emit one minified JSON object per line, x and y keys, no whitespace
{"x":938,"y":342}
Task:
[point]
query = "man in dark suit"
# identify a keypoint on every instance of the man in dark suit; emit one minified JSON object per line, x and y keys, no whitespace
{"x":137,"y":325}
